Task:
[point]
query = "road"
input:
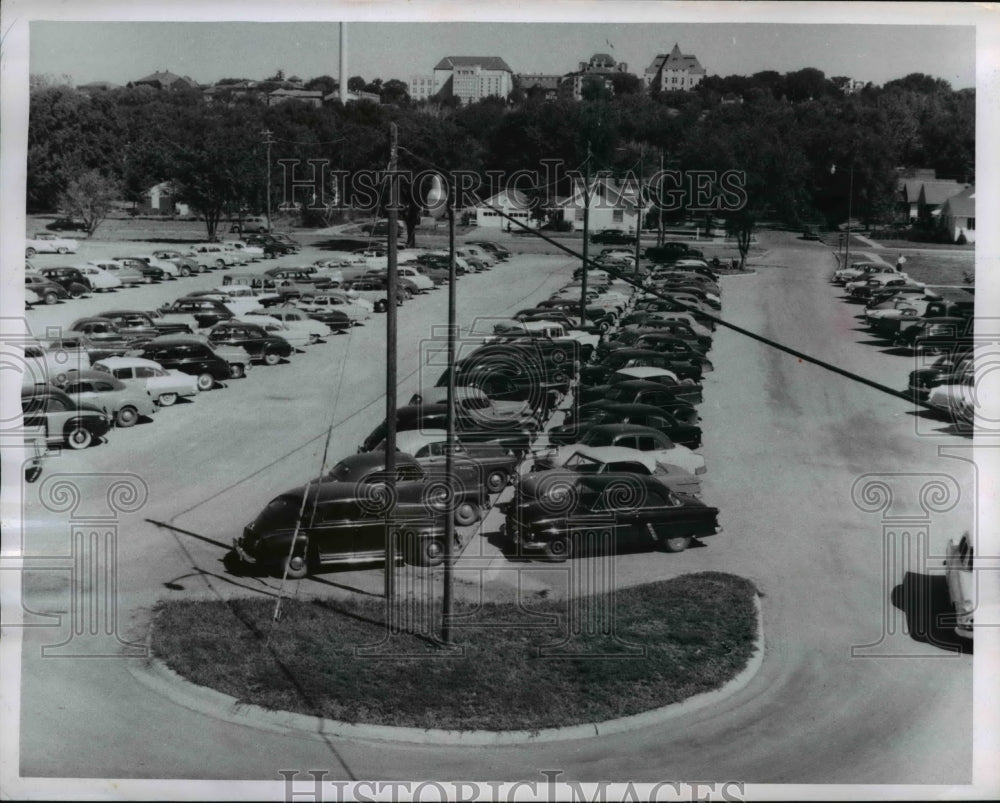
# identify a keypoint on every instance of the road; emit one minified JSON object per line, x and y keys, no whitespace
{"x":845,"y":695}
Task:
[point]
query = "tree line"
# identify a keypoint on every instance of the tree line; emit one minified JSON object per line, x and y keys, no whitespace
{"x":785,"y":132}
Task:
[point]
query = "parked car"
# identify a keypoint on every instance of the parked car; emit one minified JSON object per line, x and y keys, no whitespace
{"x":48,"y":243}
{"x":261,"y":345}
{"x":150,"y":273}
{"x":171,"y":269}
{"x":31,"y":298}
{"x":163,"y":385}
{"x":475,"y":402}
{"x":52,"y":416}
{"x":629,"y":511}
{"x":186,"y":264}
{"x":593,"y":460}
{"x":196,"y":312}
{"x":374,"y":290}
{"x":74,"y":282}
{"x":49,"y":291}
{"x":671,"y":252}
{"x":638,"y":391}
{"x":471,"y":427}
{"x":466,"y":500}
{"x":947,"y":369}
{"x":956,"y":400}
{"x":499,"y":251}
{"x":961,"y":579}
{"x":253,"y":223}
{"x":483,"y":464}
{"x":99,"y":278}
{"x":124,"y":405}
{"x":214,"y":256}
{"x":192,"y":354}
{"x":302,"y":330}
{"x":612,"y":237}
{"x":337,"y":311}
{"x":251,"y":252}
{"x":128,"y":277}
{"x":104,"y":333}
{"x":859,"y":269}
{"x":645,"y":415}
{"x":682,"y":366}
{"x":67,"y":224}
{"x":141,"y":324}
{"x":329,"y":523}
{"x":631,"y":436}
{"x":936,"y":334}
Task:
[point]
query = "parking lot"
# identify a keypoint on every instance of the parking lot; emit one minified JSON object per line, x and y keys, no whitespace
{"x":789,"y":447}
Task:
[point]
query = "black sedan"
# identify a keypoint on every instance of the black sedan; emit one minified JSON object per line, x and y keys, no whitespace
{"x":269,"y":349}
{"x":612,"y":237}
{"x":640,"y":391}
{"x":646,"y":415}
{"x":558,"y":515}
{"x":331,"y":523}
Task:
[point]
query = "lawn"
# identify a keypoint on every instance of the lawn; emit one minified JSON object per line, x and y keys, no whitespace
{"x":519,"y":667}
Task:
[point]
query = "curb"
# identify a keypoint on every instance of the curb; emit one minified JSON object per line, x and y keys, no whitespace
{"x":156,"y":676}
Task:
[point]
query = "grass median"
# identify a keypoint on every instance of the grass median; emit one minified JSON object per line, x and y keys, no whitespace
{"x":545,"y":663}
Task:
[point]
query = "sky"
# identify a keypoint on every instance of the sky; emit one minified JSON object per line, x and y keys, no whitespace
{"x":209,"y":50}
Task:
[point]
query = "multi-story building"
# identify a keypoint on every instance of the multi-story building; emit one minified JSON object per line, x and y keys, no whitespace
{"x":468,"y":78}
{"x":599,"y":69}
{"x":674,"y":71}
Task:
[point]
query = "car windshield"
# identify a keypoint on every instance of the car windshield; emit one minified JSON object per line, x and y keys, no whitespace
{"x":583,"y":464}
{"x":342,"y":472}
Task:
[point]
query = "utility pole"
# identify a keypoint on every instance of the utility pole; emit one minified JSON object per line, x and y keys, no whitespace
{"x":639,"y":209}
{"x":586,"y":237}
{"x":390,"y":374}
{"x":659,"y":215}
{"x":449,"y":464}
{"x":267,"y":134}
{"x":850,"y":211}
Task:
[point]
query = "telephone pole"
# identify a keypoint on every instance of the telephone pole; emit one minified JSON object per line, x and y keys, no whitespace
{"x":390,"y":374}
{"x":586,"y":237}
{"x":269,"y":141}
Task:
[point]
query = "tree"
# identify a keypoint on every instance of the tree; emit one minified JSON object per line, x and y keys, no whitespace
{"x":395,"y":91}
{"x":356,"y":83}
{"x":324,"y":83}
{"x":625,"y":83}
{"x":90,"y":197}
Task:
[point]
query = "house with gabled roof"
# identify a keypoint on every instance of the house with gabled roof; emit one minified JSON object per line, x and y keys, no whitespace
{"x":921,"y":193}
{"x":613,"y":204}
{"x":674,"y":71}
{"x":958,"y":214}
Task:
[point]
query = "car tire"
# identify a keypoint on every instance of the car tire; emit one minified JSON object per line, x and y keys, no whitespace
{"x":76,"y":290}
{"x":78,"y":436}
{"x":220,"y":263}
{"x":271,"y":358}
{"x":185,"y":271}
{"x":166,"y":399}
{"x":467,"y":514}
{"x":559,"y":549}
{"x":295,"y":567}
{"x":62,"y":250}
{"x":205,"y":382}
{"x":496,"y":481}
{"x":30,"y":252}
{"x":51,"y":297}
{"x":126,"y":417}
{"x":677,"y":543}
{"x":381,"y":306}
{"x":429,"y":552}
{"x":237,"y":371}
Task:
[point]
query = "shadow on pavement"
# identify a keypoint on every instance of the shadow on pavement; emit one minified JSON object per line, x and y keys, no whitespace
{"x":923,"y":599}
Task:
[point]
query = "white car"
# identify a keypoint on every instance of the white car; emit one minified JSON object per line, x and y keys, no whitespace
{"x":290,"y":323}
{"x":653,"y":443}
{"x":45,"y":243}
{"x":488,"y":259}
{"x":99,"y":278}
{"x":357,"y":309}
{"x":252,"y":253}
{"x":170,"y":269}
{"x":213,"y":255}
{"x":614,"y":459}
{"x":961,"y":581}
{"x":420,"y":281}
{"x":31,"y":297}
{"x":957,"y":402}
{"x":859,"y":269}
{"x":164,"y":385}
{"x":246,"y":297}
{"x":129,"y":277}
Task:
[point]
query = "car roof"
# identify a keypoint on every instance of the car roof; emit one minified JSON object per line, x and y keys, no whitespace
{"x":614,"y":454}
{"x":643,"y":371}
{"x":127,"y":362}
{"x":366,"y":462}
{"x":90,"y":374}
{"x":412,"y":440}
